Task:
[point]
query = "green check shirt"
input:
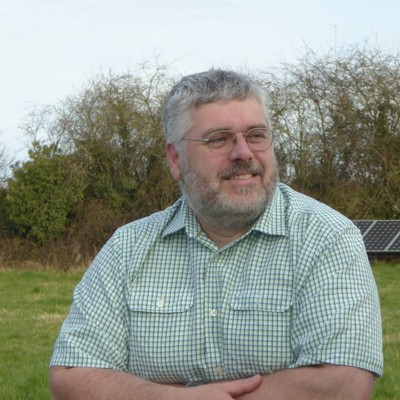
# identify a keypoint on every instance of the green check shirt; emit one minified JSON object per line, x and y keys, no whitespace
{"x":161,"y":301}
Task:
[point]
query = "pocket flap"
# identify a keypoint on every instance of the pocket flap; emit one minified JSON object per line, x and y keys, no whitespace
{"x":275,"y":300}
{"x":161,"y":302}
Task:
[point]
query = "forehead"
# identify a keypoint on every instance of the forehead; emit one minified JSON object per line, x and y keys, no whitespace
{"x":234,"y":114}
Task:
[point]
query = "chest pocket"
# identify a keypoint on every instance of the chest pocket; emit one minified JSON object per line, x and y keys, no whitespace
{"x":159,"y":322}
{"x":271,"y":300}
{"x":258,"y":329}
{"x":164,"y":302}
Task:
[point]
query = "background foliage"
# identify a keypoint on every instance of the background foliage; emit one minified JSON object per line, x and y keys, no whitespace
{"x":97,"y":158}
{"x":338,"y":124}
{"x":44,"y":192}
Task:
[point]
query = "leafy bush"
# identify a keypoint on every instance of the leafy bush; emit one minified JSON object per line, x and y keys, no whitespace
{"x":44,"y":192}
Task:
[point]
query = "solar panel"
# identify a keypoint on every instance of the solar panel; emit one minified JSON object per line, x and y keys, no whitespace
{"x":395,"y":246}
{"x":363,"y":225}
{"x":380,"y":236}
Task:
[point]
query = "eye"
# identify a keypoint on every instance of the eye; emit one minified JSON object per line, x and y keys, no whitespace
{"x":219,"y":138}
{"x":257,"y":135}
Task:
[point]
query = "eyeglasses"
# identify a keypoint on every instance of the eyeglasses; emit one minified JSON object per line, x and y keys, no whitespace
{"x":220,"y":142}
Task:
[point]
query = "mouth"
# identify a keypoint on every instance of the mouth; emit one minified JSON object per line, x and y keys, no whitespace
{"x":242,"y":172}
{"x":241,"y":177}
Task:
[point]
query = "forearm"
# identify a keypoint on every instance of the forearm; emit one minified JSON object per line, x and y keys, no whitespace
{"x":319,"y":382}
{"x":103,"y":384}
{"x":94,"y":383}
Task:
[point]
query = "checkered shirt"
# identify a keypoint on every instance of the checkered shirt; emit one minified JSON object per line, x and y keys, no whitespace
{"x":162,"y":302}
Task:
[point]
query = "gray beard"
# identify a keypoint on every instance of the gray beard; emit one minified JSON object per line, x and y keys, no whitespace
{"x":216,"y":209}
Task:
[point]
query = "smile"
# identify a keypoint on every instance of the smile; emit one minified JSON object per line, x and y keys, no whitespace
{"x":241,"y":177}
{"x":241,"y":172}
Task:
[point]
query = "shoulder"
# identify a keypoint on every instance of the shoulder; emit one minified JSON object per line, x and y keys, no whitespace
{"x":304,"y":210}
{"x":322,"y":240}
{"x":148,"y":227}
{"x":131,"y":242}
{"x":135,"y":237}
{"x":316,"y":227}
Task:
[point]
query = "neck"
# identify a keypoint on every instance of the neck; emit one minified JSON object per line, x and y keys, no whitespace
{"x":220,"y":236}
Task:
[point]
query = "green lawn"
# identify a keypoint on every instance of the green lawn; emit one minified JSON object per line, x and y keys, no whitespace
{"x":33,"y":305}
{"x":388,"y":281}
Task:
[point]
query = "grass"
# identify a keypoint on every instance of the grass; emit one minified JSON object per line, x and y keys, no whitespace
{"x":388,"y":279}
{"x":33,"y":305}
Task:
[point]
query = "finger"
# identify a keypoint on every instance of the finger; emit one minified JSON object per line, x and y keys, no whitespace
{"x":243,"y":386}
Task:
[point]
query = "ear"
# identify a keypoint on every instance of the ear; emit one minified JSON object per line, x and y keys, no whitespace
{"x":173,"y":161}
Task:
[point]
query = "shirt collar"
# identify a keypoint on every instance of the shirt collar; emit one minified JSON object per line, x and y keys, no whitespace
{"x":271,"y":222}
{"x":183,"y":218}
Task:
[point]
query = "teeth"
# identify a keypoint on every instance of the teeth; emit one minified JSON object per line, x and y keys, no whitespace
{"x":247,"y":176}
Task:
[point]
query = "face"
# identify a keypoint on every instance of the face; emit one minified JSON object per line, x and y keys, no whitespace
{"x":228,"y":190}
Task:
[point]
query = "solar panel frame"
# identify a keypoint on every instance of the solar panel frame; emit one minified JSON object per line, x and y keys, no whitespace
{"x":395,"y":245}
{"x":380,"y":236}
{"x":363,"y":225}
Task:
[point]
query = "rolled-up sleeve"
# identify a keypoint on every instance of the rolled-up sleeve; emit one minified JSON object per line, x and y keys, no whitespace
{"x":338,"y":318}
{"x":94,"y":334}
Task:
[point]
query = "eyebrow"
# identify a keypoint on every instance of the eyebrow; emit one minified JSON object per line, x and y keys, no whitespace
{"x":210,"y":131}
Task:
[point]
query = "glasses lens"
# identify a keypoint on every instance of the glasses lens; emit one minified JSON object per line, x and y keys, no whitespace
{"x":221,"y":142}
{"x":258,"y":138}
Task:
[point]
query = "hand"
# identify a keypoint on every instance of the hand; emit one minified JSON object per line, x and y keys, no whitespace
{"x":220,"y":390}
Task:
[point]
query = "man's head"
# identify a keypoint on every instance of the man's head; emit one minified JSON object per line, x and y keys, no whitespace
{"x":230,"y":189}
{"x":202,"y":88}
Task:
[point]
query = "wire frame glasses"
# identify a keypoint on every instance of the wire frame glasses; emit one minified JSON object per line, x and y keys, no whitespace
{"x":220,"y":142}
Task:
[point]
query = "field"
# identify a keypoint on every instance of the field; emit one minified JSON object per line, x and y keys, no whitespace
{"x":33,"y":305}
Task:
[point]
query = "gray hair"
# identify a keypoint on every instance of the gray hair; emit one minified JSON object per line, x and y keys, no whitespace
{"x":206,"y":87}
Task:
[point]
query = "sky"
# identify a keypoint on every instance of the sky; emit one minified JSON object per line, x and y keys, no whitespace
{"x":49,"y":49}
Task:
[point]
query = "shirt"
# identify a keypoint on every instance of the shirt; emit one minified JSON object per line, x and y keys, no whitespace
{"x":162,"y":302}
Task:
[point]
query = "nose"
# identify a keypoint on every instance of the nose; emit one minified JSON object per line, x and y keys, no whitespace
{"x":241,"y":150}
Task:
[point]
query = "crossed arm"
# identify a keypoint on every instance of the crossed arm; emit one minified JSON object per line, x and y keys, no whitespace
{"x":314,"y":382}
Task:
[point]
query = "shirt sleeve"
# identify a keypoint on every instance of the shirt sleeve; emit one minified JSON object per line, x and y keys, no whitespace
{"x":94,"y":333}
{"x":337,"y":318}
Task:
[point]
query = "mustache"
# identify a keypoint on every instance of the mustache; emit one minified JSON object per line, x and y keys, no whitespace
{"x":243,"y":167}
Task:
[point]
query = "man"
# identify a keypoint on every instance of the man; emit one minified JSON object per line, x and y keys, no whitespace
{"x":243,"y":289}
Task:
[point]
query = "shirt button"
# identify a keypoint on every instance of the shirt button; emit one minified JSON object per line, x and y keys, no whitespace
{"x":213,"y":312}
{"x":219,"y":370}
{"x":160,"y":303}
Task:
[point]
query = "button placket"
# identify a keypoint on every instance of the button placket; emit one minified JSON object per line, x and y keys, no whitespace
{"x":160,"y":303}
{"x":212,"y":314}
{"x":219,"y":370}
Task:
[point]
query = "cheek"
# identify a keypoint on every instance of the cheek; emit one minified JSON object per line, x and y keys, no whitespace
{"x":271,"y":171}
{"x":267,"y":160}
{"x":206,"y":167}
